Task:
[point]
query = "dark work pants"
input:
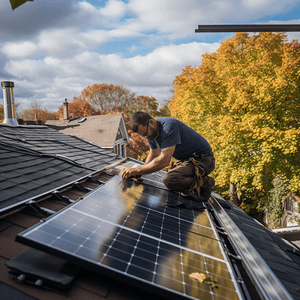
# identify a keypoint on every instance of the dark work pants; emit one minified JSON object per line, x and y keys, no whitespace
{"x":181,"y":177}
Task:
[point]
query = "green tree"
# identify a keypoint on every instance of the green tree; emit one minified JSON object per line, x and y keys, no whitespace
{"x":275,"y":205}
{"x":244,"y":99}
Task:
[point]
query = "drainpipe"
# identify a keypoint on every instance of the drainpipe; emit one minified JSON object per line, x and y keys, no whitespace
{"x":9,"y":103}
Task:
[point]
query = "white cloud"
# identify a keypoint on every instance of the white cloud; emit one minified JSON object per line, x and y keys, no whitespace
{"x":57,"y":78}
{"x":31,"y":18}
{"x":179,"y":18}
{"x":53,"y":51}
{"x":134,"y":48}
{"x":114,"y":9}
{"x":171,"y":18}
{"x":270,"y":5}
{"x":162,"y":65}
{"x":57,"y":42}
{"x":290,"y":35}
{"x":63,"y":42}
{"x":86,"y":7}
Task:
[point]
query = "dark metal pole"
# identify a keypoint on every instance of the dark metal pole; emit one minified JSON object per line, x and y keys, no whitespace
{"x":249,"y":28}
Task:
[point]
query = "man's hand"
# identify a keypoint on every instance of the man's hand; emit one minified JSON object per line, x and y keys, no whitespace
{"x":156,"y":164}
{"x":129,"y":172}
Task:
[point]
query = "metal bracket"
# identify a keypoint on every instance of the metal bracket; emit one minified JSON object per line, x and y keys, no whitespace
{"x":94,"y":180}
{"x":237,"y":257}
{"x":220,"y":229}
{"x":59,"y":197}
{"x":81,"y":188}
{"x":33,"y":207}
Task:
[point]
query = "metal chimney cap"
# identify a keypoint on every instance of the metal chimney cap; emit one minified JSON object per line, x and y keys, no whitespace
{"x":6,"y":84}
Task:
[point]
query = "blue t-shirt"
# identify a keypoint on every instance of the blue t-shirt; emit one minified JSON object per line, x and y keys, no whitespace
{"x":173,"y":132}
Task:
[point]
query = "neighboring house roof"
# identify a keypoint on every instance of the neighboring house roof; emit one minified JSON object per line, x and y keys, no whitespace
{"x":102,"y":130}
{"x":291,"y":233}
{"x":39,"y":159}
{"x":36,"y":159}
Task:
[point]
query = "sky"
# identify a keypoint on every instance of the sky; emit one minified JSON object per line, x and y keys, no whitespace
{"x":53,"y":49}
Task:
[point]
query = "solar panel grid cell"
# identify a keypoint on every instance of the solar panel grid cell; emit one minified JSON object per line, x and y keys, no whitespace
{"x":127,"y":227}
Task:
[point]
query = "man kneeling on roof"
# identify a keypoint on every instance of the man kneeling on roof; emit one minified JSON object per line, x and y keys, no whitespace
{"x":167,"y":138}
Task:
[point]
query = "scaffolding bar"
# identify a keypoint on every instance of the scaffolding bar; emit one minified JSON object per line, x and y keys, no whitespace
{"x":249,"y":28}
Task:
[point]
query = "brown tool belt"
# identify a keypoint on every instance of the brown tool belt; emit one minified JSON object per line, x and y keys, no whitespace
{"x":199,"y":172}
{"x":206,"y":154}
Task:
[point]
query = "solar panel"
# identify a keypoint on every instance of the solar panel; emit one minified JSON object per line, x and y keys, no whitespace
{"x":132,"y":231}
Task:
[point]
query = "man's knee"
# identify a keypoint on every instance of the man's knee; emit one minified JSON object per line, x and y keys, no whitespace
{"x":171,"y":181}
{"x":168,"y":181}
{"x":177,"y":183}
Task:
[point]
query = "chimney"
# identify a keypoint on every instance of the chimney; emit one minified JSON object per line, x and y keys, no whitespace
{"x":65,"y":108}
{"x":9,"y":103}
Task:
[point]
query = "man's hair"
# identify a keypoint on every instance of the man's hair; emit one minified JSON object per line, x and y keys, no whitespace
{"x":137,"y":118}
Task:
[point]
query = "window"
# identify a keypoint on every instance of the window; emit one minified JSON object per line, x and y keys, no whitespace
{"x":289,"y":204}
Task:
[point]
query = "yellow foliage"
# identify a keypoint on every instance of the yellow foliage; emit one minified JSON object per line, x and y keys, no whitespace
{"x":244,"y":99}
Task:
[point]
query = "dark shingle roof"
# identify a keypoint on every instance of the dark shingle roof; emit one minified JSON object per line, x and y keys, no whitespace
{"x":37,"y":159}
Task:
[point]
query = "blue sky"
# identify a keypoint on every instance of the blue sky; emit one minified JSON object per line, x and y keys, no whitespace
{"x":53,"y":49}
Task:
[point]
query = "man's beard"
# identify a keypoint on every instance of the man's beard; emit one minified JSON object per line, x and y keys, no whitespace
{"x":153,"y":135}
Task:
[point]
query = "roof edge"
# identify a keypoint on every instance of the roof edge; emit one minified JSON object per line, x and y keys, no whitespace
{"x":267,"y":284}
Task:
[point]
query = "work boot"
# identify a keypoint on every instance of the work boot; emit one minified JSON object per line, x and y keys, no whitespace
{"x":193,"y":195}
{"x":205,"y":192}
{"x":208,"y":184}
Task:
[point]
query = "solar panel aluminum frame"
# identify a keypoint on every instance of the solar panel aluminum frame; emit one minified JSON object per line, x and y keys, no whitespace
{"x":265,"y":281}
{"x":112,"y":272}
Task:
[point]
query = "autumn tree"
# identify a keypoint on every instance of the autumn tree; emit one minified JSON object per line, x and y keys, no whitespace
{"x":32,"y":112}
{"x":137,"y":147}
{"x":78,"y":108}
{"x":107,"y":96}
{"x":109,"y":99}
{"x":143,"y":103}
{"x":244,"y":99}
{"x":45,"y":114}
{"x":1,"y":114}
{"x":148,"y":105}
{"x":164,"y":111}
{"x":36,"y":112}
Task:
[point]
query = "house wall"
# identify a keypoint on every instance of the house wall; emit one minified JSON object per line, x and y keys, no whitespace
{"x":292,"y":215}
{"x":120,"y":148}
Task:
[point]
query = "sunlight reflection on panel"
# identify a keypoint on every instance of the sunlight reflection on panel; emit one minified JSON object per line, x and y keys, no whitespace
{"x":131,"y":228}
